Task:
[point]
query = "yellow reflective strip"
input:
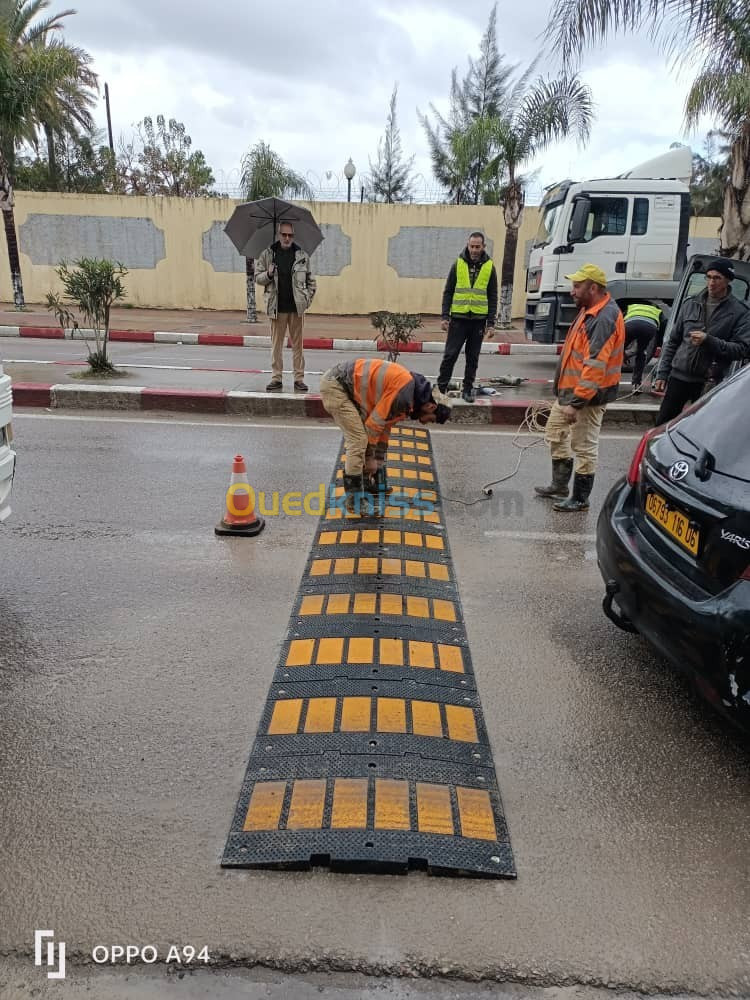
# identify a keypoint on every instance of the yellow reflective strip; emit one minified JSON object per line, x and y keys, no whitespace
{"x":451,"y":658}
{"x":285,"y":718}
{"x":391,"y":804}
{"x":426,"y":719}
{"x":392,"y":537}
{"x":320,"y":567}
{"x":434,"y":542}
{"x":421,"y":654}
{"x":349,"y":810}
{"x":343,"y":566}
{"x":420,"y":434}
{"x":413,"y":538}
{"x":360,"y":650}
{"x":417,"y":607}
{"x":392,"y":652}
{"x":391,"y":567}
{"x":422,"y":447}
{"x":265,"y":806}
{"x":364,"y":604}
{"x":406,"y":431}
{"x":423,"y":460}
{"x":300,"y":652}
{"x":409,"y":473}
{"x":308,"y":802}
{"x":434,"y":813}
{"x":432,"y":518}
{"x":330,"y":651}
{"x":367,"y":566}
{"x":338,"y":604}
{"x":355,"y":715}
{"x":444,"y":611}
{"x":437,"y":571}
{"x":327,"y":538}
{"x":320,"y":715}
{"x":312,"y":605}
{"x":475,"y":812}
{"x":371,"y":535}
{"x":349,"y":537}
{"x":393,"y":456}
{"x":427,"y":476}
{"x":391,"y":715}
{"x":413,"y":568}
{"x":391,"y":604}
{"x":461,"y":724}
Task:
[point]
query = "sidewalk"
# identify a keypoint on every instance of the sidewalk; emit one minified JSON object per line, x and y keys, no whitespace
{"x":216,"y":329}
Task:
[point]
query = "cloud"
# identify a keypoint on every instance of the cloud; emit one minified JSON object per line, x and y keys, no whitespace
{"x":314,"y":79}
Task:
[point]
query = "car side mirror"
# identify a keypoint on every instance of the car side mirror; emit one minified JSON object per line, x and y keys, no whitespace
{"x":579,"y":220}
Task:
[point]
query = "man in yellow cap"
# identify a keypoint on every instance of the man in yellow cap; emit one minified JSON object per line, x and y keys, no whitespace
{"x":588,"y":377}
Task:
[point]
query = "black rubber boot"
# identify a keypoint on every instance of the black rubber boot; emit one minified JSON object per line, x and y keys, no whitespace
{"x":377,"y":484}
{"x":562,"y":470}
{"x":357,"y":501}
{"x":579,"y":500}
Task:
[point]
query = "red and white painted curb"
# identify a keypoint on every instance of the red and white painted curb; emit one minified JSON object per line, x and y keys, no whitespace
{"x":261,"y":404}
{"x":237,"y":340}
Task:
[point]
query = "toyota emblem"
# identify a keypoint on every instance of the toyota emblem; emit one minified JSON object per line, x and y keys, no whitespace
{"x":678,"y":471}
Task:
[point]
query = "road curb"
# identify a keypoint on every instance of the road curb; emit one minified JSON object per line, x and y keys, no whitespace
{"x":239,"y":340}
{"x":491,"y":412}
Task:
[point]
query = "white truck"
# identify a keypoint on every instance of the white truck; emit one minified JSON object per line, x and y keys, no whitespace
{"x":7,"y":455}
{"x":635,"y":227}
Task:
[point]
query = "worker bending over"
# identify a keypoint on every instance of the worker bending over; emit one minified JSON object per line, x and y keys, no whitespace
{"x":366,"y":398}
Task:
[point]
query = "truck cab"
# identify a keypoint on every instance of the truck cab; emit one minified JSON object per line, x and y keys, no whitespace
{"x":7,"y":455}
{"x":635,"y":227}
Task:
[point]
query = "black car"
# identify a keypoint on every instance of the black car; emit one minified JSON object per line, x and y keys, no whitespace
{"x":673,"y":545}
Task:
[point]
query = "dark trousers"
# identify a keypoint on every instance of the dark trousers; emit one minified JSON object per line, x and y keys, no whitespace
{"x":678,"y":393}
{"x":462,"y":331}
{"x":643,"y":332}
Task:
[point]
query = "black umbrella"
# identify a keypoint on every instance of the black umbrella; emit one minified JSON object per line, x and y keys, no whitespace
{"x":253,"y":226}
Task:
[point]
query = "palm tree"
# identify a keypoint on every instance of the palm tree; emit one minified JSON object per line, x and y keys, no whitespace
{"x":713,"y":35}
{"x":265,"y":175}
{"x":69,"y":112}
{"x":534,"y":115}
{"x":33,"y":78}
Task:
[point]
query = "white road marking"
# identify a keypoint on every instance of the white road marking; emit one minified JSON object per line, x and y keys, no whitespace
{"x":307,"y":426}
{"x":540,"y":536}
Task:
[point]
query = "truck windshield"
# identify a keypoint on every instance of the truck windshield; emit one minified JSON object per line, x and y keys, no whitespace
{"x":547,"y":224}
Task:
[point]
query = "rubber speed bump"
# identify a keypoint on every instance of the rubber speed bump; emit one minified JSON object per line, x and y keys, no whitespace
{"x":372,"y":753}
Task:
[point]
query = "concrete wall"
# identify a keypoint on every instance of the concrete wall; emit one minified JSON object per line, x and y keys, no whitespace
{"x":373,"y":257}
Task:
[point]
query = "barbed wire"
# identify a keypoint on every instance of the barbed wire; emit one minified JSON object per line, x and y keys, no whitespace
{"x":332,"y":186}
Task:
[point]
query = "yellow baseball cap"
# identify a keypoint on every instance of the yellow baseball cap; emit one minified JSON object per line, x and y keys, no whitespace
{"x":589,"y":272}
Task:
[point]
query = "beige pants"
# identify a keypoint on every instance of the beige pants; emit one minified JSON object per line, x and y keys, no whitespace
{"x":580,"y":439}
{"x":279,"y":326}
{"x":346,"y":416}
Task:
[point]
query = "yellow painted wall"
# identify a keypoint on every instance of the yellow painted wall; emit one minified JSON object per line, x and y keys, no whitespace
{"x":183,"y":280}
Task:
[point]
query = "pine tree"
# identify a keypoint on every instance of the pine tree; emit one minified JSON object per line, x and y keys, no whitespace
{"x":479,"y":95}
{"x":390,"y":177}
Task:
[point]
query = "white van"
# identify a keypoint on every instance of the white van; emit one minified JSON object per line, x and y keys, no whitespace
{"x":7,"y":455}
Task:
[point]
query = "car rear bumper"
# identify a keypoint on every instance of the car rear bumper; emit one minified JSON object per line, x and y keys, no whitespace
{"x":702,"y":634}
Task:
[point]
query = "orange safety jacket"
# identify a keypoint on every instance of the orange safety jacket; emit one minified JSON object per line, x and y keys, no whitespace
{"x":378,"y":390}
{"x":588,"y":373}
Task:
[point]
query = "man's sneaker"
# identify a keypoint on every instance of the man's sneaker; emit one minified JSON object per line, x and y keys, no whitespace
{"x":275,"y":385}
{"x":468,"y":395}
{"x":299,"y":386}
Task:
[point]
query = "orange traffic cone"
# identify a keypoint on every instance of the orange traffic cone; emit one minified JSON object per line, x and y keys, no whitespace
{"x":240,"y":518}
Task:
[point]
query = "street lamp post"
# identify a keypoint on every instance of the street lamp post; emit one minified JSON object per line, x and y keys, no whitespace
{"x":349,"y":172}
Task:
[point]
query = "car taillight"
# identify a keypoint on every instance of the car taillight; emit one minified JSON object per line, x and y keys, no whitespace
{"x":746,"y":574}
{"x":634,"y":472}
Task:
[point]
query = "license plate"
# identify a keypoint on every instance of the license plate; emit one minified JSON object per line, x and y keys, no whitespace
{"x":673,"y":522}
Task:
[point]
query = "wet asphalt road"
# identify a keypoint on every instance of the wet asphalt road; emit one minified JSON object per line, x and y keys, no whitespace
{"x":248,"y":369}
{"x":137,"y":651}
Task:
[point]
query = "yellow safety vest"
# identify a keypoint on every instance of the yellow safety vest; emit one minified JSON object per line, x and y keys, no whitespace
{"x":468,"y":298}
{"x":642,"y":311}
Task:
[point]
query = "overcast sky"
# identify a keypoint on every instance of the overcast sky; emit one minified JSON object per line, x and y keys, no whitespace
{"x":314,"y":79}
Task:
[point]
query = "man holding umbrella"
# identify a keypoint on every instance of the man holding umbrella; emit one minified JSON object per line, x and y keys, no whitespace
{"x":283,"y":270}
